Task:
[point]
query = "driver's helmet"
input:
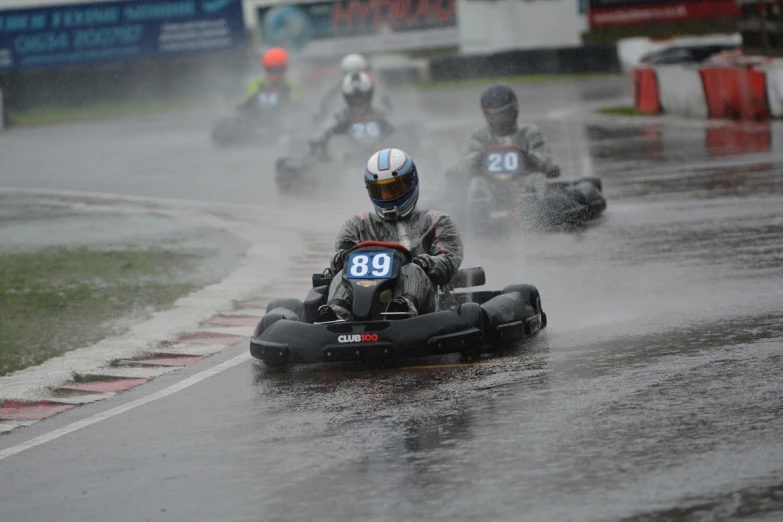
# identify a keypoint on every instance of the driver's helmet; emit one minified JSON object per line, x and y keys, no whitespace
{"x":357,"y":89}
{"x":275,"y":62}
{"x":501,"y":109}
{"x":392,"y":182}
{"x":354,"y":63}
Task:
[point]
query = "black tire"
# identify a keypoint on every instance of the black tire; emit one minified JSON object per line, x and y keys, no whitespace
{"x":273,"y":316}
{"x":596,"y":182}
{"x":288,"y":303}
{"x":529,"y":294}
{"x":474,"y":316}
{"x":532,"y":297}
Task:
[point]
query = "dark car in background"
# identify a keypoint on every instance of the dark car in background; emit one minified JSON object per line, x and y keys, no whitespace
{"x":684,"y":54}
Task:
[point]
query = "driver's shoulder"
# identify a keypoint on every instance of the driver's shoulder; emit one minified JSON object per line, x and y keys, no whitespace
{"x":432,"y":216}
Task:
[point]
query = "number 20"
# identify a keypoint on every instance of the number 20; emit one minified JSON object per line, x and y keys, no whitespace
{"x":508,"y":162}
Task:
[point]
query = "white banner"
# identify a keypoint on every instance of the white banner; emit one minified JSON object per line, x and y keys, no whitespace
{"x":775,"y":90}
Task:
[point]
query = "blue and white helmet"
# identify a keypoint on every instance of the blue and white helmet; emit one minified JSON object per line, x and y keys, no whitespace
{"x":392,"y":182}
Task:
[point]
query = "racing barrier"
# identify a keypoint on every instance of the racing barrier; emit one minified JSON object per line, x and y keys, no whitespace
{"x":746,"y":92}
{"x":563,"y":60}
{"x":646,"y":96}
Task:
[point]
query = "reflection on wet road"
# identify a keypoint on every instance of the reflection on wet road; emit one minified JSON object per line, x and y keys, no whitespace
{"x":653,"y":395}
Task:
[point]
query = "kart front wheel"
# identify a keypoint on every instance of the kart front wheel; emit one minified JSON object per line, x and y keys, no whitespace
{"x":474,"y":316}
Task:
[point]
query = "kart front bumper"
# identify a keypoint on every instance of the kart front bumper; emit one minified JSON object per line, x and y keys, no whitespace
{"x":432,"y":334}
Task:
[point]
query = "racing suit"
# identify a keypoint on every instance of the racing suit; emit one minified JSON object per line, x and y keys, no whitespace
{"x":528,"y":137}
{"x":289,"y":88}
{"x":344,"y":120}
{"x":431,"y":236}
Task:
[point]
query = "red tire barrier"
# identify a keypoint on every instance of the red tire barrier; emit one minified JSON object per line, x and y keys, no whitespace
{"x":735,"y":92}
{"x":645,"y":87}
{"x":736,"y":139}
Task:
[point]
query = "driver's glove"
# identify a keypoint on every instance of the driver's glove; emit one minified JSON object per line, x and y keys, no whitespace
{"x":339,"y":260}
{"x":552,"y":171}
{"x":424,"y":262}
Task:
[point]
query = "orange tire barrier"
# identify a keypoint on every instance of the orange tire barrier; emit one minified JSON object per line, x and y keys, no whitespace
{"x":735,"y":92}
{"x":645,"y":87}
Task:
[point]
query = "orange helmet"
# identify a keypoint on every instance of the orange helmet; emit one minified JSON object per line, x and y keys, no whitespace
{"x":275,"y":58}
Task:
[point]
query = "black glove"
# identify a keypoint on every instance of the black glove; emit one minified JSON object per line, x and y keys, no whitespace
{"x":424,"y":262}
{"x":339,"y":260}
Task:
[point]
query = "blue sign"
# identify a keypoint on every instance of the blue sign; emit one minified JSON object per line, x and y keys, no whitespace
{"x":287,"y":26}
{"x":80,"y":34}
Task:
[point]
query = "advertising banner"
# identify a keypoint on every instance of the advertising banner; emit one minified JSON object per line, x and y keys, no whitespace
{"x":335,"y":27}
{"x":621,"y":13}
{"x":78,"y":34}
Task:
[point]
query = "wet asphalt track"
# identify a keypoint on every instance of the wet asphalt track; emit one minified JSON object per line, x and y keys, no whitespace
{"x":653,"y":395}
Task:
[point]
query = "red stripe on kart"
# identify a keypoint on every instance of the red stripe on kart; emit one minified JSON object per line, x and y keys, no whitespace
{"x":31,"y":410}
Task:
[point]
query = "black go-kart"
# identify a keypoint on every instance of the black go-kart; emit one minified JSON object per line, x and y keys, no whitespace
{"x":256,"y":120}
{"x":506,"y":196}
{"x":468,"y":322}
{"x":323,"y":169}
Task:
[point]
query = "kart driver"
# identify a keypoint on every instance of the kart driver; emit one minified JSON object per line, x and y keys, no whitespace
{"x":359,"y":118}
{"x":501,"y":110}
{"x":392,"y":183}
{"x":275,"y":64}
{"x":350,"y":64}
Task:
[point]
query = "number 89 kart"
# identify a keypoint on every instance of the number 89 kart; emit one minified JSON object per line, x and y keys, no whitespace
{"x":468,"y":322}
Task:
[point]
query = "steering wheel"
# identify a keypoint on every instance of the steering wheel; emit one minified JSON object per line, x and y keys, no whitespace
{"x":386,"y":244}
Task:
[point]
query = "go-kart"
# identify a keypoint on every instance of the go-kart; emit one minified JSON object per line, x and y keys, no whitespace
{"x":326,"y":169}
{"x":256,"y":120}
{"x":468,"y":323}
{"x":507,"y":195}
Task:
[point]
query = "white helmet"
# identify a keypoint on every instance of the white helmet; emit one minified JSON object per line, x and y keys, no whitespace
{"x":354,"y":63}
{"x":392,"y":183}
{"x":357,"y":89}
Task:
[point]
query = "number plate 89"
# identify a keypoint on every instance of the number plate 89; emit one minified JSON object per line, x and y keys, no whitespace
{"x":369,"y":265}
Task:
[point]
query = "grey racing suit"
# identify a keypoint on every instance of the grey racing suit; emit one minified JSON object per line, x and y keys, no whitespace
{"x":428,"y":234}
{"x":528,"y":137}
{"x":334,"y":98}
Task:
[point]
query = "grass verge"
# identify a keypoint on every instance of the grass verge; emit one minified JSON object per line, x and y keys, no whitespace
{"x":622,"y":110}
{"x":61,"y":299}
{"x":98,"y":111}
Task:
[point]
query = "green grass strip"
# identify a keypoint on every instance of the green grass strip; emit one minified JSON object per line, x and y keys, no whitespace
{"x":622,"y":110}
{"x":97,"y":111}
{"x":61,"y":299}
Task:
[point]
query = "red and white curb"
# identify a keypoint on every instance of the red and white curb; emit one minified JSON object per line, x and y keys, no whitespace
{"x":197,"y":326}
{"x":713,"y":90}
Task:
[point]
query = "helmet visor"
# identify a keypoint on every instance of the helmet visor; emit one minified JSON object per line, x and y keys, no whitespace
{"x":389,"y":189}
{"x":276,"y":71}
{"x":502,"y":115}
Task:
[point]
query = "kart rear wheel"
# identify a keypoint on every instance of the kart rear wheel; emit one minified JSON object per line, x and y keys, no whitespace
{"x":474,"y":316}
{"x":530,"y":296}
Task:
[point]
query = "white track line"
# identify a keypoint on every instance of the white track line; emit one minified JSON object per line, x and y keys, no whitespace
{"x":89,"y":421}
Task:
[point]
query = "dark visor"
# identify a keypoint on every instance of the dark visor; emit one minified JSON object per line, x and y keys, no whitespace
{"x":501,"y":114}
{"x":389,"y":189}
